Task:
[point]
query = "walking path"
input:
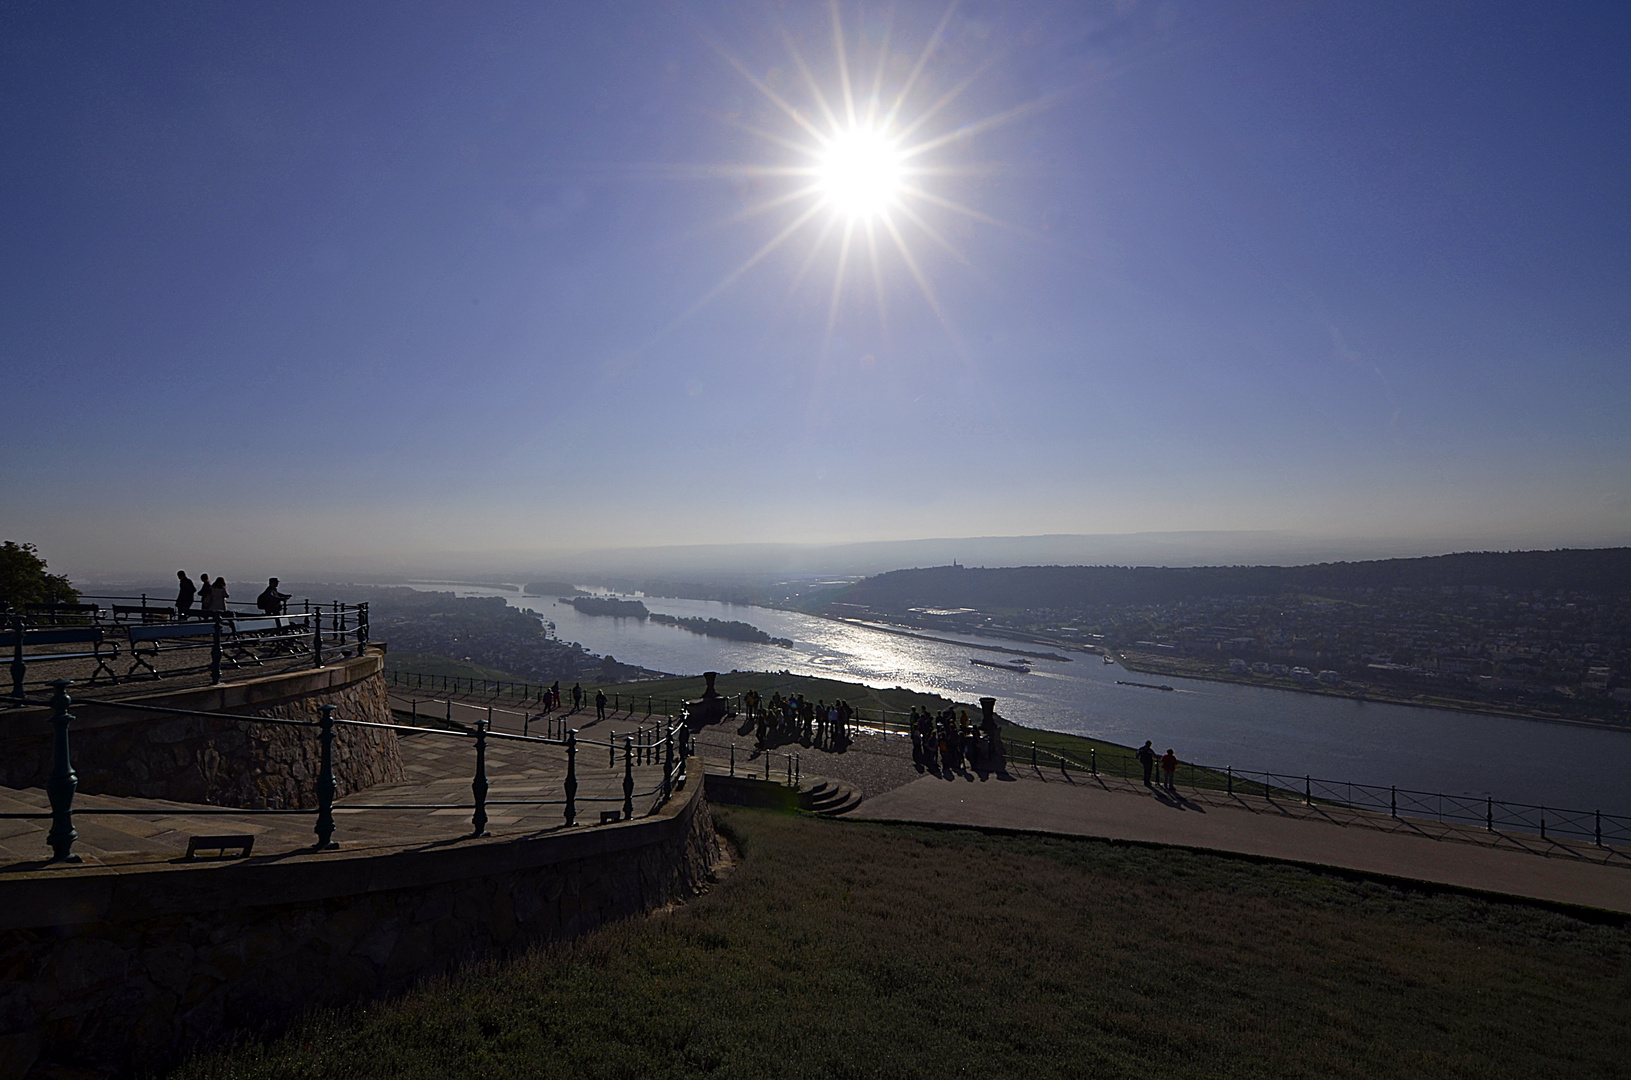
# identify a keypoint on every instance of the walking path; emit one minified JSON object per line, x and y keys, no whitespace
{"x":1565,"y":871}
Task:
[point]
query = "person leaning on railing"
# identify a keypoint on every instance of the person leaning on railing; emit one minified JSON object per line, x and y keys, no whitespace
{"x":270,"y":600}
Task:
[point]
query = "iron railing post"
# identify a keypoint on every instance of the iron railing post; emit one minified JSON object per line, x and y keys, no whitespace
{"x":326,"y":786}
{"x":1231,"y":779}
{"x":478,"y":820}
{"x":798,"y":770}
{"x":1599,"y":840}
{"x":215,"y":653}
{"x":1543,"y":823}
{"x":628,"y":778}
{"x":19,"y":669}
{"x":1093,"y":760}
{"x":63,"y":782}
{"x":1393,"y":803}
{"x":572,"y":777}
{"x":1033,"y":753}
{"x":733,"y":759}
{"x":1308,"y":791}
{"x":317,"y":639}
{"x":668,"y":762}
{"x":1489,"y":813}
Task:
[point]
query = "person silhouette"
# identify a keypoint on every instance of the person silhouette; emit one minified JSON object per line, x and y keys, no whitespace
{"x":271,"y":601}
{"x":185,"y":592}
{"x":1146,"y":758}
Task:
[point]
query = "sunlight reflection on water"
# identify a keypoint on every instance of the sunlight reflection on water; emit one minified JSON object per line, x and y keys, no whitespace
{"x":1213,"y":723}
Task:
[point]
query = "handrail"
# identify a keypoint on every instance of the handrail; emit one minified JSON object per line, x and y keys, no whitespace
{"x":1593,"y":825}
{"x":234,"y":637}
{"x":63,"y":782}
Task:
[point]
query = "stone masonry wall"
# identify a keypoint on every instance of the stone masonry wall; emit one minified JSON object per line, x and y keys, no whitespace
{"x":223,"y":762}
{"x":120,"y":997}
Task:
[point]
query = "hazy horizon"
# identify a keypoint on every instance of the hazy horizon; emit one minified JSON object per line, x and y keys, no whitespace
{"x":309,"y":289}
{"x":763,"y":562}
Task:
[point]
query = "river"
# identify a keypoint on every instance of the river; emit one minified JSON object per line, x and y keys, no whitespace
{"x":1547,"y":764}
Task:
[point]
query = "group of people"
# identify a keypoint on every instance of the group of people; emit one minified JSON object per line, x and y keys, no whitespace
{"x":796,"y":718}
{"x":948,"y":741}
{"x":1168,"y":762}
{"x":211,"y":596}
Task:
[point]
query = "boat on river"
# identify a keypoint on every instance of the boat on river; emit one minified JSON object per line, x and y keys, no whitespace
{"x":1020,"y":666}
{"x":1143,"y":685}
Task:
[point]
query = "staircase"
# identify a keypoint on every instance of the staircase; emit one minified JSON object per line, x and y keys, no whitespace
{"x":828,"y":798}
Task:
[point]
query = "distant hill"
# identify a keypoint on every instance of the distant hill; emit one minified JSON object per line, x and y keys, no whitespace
{"x":1601,"y":572}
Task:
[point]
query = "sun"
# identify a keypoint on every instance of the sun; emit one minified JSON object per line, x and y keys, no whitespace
{"x":856,"y":159}
{"x":860,"y":173}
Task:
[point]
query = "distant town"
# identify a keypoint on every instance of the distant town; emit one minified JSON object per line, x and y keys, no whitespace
{"x":1531,"y":645}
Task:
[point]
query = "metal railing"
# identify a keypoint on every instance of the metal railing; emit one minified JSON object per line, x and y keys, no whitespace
{"x":671,"y":748}
{"x":1494,"y":815}
{"x":618,"y":700}
{"x":623,"y":698}
{"x":232,"y":638}
{"x":790,"y":771}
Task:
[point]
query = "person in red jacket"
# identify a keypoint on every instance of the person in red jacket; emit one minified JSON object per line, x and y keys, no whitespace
{"x":1169,"y":765}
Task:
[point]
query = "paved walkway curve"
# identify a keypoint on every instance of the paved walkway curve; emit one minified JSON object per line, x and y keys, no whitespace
{"x":1566,"y":872}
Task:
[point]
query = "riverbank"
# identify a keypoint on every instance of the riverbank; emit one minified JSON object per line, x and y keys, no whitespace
{"x":1148,"y":664}
{"x":885,"y":628}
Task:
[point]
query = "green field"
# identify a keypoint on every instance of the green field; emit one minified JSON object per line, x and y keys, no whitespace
{"x":841,"y":949}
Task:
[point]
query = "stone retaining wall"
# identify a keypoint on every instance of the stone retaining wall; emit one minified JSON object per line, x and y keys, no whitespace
{"x":124,"y":972}
{"x":220,"y":762}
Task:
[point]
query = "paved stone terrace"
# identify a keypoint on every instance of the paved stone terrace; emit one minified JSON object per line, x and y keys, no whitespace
{"x":440,"y":770}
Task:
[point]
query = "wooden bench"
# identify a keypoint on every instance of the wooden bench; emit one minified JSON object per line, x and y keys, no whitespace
{"x":244,"y":639}
{"x":102,"y":650}
{"x":146,"y":612}
{"x":253,"y":633}
{"x":146,"y":642}
{"x":56,"y":608}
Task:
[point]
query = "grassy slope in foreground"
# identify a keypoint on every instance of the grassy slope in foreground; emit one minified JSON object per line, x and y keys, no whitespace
{"x":845,"y":949}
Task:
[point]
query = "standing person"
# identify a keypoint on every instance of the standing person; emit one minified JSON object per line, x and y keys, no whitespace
{"x":184,"y":595}
{"x":1146,"y":758}
{"x":600,"y":704}
{"x":206,"y":593}
{"x":577,"y":696}
{"x":1169,"y":765}
{"x":219,"y":594}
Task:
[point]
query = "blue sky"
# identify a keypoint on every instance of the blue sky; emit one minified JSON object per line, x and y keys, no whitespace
{"x":309,"y":284}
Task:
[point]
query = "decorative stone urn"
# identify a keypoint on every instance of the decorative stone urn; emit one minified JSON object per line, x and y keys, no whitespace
{"x":713,"y":706}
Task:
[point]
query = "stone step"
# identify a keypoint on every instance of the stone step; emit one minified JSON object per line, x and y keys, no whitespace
{"x":830,"y":798}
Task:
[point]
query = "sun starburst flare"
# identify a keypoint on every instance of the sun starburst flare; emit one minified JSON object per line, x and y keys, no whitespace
{"x":861,"y":165}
